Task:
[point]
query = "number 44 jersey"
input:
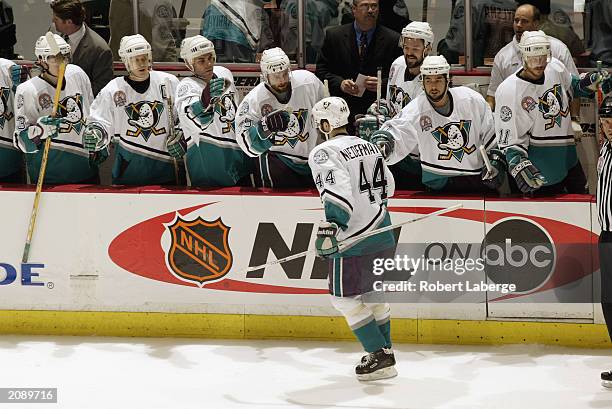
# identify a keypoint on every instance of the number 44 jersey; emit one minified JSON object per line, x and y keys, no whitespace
{"x":355,"y":184}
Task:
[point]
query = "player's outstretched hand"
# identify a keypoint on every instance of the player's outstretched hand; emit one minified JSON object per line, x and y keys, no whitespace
{"x":276,"y":121}
{"x":384,"y":141}
{"x":177,"y":146}
{"x":50,"y":126}
{"x":593,"y":79}
{"x":326,"y":242}
{"x":527,"y":176}
{"x":495,"y":178}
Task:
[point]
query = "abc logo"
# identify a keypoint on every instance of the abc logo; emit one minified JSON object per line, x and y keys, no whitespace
{"x":519,"y":252}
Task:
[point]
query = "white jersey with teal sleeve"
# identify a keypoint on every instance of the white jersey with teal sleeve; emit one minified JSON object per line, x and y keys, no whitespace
{"x":68,"y":161}
{"x":140,"y":123}
{"x":295,"y":143}
{"x":10,"y":157}
{"x":402,"y":86}
{"x":447,"y":146}
{"x":355,"y":184}
{"x":213,"y":157}
{"x":532,"y":119}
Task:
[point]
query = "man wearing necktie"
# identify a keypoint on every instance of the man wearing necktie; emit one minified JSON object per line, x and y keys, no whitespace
{"x":359,"y":47}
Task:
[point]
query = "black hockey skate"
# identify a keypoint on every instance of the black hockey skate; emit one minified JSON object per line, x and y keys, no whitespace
{"x":606,"y":379}
{"x":377,"y":365}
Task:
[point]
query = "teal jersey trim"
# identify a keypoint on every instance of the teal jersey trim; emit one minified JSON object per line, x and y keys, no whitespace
{"x":135,"y":170}
{"x":336,"y":214}
{"x":213,"y":166}
{"x":553,"y":161}
{"x":10,"y":161}
{"x":62,"y":167}
{"x":299,"y":168}
{"x":433,"y":180}
{"x":258,"y":145}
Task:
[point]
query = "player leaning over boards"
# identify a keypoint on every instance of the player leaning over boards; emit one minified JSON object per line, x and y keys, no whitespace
{"x":68,"y":161}
{"x":133,"y":108}
{"x":206,"y":104}
{"x":533,"y":121}
{"x":11,"y":161}
{"x":273,"y":122}
{"x":354,"y":184}
{"x":443,"y":128}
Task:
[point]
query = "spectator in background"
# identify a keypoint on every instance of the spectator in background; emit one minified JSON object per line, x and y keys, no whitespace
{"x":599,"y":34}
{"x":8,"y":36}
{"x":358,"y":48}
{"x":491,"y":30}
{"x":89,"y":50}
{"x":392,"y":14}
{"x":157,"y":23}
{"x":237,"y":28}
{"x":508,"y":60}
{"x":559,"y":26}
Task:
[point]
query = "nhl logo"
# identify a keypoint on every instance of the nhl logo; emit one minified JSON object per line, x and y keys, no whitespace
{"x":200,"y":250}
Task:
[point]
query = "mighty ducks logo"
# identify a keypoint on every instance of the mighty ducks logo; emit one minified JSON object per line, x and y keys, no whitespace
{"x":145,"y":116}
{"x":398,"y":97}
{"x":295,"y":130}
{"x":224,"y":107}
{"x":5,"y":108}
{"x":454,"y":138}
{"x":551,"y":106}
{"x":70,"y":109}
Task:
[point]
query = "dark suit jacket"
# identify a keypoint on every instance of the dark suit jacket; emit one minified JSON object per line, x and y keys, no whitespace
{"x":339,"y":60}
{"x":94,"y":56}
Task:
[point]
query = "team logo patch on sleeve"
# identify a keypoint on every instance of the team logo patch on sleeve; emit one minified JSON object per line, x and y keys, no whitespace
{"x":200,"y":250}
{"x":550,"y":105}
{"x":425,"y":123}
{"x":528,"y":104}
{"x":5,"y":108}
{"x":454,"y":138}
{"x":45,"y":101}
{"x":266,"y":109}
{"x":505,"y":113}
{"x":320,"y":157}
{"x":144,"y":116}
{"x":119,"y":99}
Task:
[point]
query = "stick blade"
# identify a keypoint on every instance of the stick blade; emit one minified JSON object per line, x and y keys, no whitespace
{"x":52,"y":43}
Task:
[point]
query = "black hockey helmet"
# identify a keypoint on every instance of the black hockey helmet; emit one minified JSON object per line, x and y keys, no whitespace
{"x":605,"y":109}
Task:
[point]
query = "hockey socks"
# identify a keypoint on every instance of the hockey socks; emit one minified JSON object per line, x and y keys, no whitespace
{"x":370,"y":336}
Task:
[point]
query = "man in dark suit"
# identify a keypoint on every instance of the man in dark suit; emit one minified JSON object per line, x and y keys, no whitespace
{"x":89,"y":50}
{"x":357,"y":48}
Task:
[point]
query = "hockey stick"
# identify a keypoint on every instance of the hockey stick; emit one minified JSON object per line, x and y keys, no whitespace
{"x":165,"y":90}
{"x":486,"y":160}
{"x":182,"y":10}
{"x":43,"y":163}
{"x":346,"y":242}
{"x":325,"y":89}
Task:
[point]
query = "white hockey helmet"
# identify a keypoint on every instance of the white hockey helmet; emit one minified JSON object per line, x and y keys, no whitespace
{"x":193,"y":47}
{"x":331,"y":109}
{"x":132,"y":46}
{"x":435,"y":65}
{"x":273,"y":60}
{"x":534,"y":44}
{"x":418,"y":29}
{"x":43,"y":50}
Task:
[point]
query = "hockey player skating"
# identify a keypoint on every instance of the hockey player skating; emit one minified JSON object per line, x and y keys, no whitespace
{"x":11,"y":163}
{"x":354,"y":184}
{"x":206,"y":104}
{"x":443,"y":128}
{"x":68,"y":161}
{"x":133,"y":107}
{"x":533,"y":121}
{"x":273,"y":122}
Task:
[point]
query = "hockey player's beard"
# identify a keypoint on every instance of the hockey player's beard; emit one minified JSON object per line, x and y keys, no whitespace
{"x":413,"y":63}
{"x":284,"y":96}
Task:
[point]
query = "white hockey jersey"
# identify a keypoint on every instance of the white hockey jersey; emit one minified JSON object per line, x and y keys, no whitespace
{"x":140,"y":122}
{"x":214,"y":158}
{"x":534,"y":119}
{"x":68,"y":160}
{"x":293,"y":145}
{"x":10,"y":157}
{"x":400,"y":90}
{"x":355,"y":184}
{"x":446,"y":146}
{"x":508,"y":61}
